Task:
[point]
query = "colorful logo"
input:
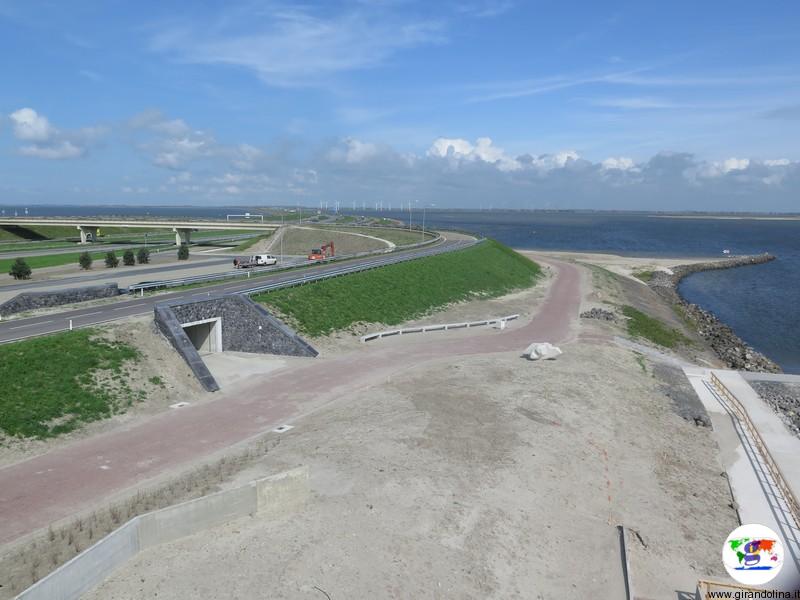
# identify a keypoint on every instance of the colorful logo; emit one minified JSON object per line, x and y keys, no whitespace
{"x":753,"y":554}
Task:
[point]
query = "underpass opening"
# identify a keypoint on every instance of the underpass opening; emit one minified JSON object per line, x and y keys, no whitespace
{"x":205,"y":335}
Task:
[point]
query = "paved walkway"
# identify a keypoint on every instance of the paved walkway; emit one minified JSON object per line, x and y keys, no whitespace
{"x":752,"y":485}
{"x":53,"y":486}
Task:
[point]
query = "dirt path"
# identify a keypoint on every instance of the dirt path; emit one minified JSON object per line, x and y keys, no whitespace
{"x":47,"y":488}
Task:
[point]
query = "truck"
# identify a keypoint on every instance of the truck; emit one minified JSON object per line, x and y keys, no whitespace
{"x":257,"y":260}
{"x":326,"y":251}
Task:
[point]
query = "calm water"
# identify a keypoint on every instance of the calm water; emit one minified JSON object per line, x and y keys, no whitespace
{"x":761,"y":303}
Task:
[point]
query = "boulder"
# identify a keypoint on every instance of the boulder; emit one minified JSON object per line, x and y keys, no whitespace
{"x":543,"y":350}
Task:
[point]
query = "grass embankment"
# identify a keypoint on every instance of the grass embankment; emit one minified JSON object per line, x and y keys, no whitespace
{"x":15,"y":233}
{"x":404,"y":291}
{"x":50,"y":385}
{"x":249,"y":243}
{"x":645,"y":326}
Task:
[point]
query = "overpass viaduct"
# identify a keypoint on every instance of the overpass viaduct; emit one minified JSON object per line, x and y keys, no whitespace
{"x":183,"y":229}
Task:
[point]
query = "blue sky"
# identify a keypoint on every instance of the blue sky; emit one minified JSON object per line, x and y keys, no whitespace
{"x":680,"y":105}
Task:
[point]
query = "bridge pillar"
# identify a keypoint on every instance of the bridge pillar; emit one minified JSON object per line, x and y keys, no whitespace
{"x":88,"y":233}
{"x":182,"y":236}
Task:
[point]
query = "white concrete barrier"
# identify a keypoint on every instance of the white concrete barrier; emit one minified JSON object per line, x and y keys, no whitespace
{"x":269,"y":496}
{"x":501,"y":321}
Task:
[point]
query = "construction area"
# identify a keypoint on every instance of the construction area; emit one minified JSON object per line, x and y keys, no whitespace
{"x":436,"y":465}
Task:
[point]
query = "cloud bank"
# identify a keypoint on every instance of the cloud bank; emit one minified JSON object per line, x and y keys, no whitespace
{"x":190,"y":165}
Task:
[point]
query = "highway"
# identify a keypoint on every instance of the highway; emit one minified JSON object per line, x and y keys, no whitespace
{"x":144,"y":274}
{"x":17,"y":329}
{"x":107,"y":247}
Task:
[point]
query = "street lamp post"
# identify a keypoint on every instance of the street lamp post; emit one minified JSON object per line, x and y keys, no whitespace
{"x":281,"y":234}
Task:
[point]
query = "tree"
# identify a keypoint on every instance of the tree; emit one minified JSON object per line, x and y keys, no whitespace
{"x":143,"y":256}
{"x":128,"y":259}
{"x":85,"y":261}
{"x":111,"y":260}
{"x":20,"y":269}
{"x":183,"y":252}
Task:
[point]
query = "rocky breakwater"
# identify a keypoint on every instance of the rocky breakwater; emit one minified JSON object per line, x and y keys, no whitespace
{"x":726,"y":344}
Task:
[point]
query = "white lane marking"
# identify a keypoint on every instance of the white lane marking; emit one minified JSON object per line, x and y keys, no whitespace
{"x":130,"y":306}
{"x":32,"y":324}
{"x":88,"y":314}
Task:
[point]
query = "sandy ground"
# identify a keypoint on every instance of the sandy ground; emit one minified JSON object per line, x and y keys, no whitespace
{"x":158,"y":359}
{"x":300,"y":241}
{"x":492,"y":477}
{"x":486,"y":476}
{"x":625,"y":265}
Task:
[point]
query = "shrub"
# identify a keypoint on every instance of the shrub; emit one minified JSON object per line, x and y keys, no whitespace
{"x":183,"y":252}
{"x":20,"y":269}
{"x":85,"y":261}
{"x":128,"y":259}
{"x":111,"y":260}
{"x":143,"y":256}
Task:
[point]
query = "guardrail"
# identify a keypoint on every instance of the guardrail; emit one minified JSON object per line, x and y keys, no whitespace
{"x":381,"y":262}
{"x":181,"y":281}
{"x":761,"y":446}
{"x":440,"y":327}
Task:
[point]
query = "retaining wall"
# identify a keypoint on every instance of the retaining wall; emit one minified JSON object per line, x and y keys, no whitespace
{"x":32,"y":300}
{"x":246,"y":327}
{"x":270,"y":496}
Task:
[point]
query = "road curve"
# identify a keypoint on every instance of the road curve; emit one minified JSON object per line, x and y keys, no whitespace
{"x":65,"y":481}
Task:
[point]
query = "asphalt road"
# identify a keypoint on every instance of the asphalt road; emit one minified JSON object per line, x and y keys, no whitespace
{"x":109,"y":275}
{"x":17,"y":329}
{"x":103,"y":247}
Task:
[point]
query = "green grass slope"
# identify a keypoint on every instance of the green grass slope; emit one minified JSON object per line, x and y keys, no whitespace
{"x":48,"y":385}
{"x":397,"y":293}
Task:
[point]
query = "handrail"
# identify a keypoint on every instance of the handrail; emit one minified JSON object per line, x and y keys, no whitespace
{"x":761,"y":446}
{"x":439,"y":327}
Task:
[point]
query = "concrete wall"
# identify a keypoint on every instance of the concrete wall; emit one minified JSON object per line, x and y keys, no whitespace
{"x":246,"y":327}
{"x":32,"y":300}
{"x":168,"y":324}
{"x":264,"y":497}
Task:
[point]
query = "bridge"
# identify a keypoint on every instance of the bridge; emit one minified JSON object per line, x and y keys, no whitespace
{"x":183,"y":229}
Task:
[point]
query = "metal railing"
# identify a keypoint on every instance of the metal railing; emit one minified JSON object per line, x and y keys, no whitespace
{"x":761,"y":446}
{"x":439,"y":327}
{"x":247,"y":273}
{"x":365,"y":266}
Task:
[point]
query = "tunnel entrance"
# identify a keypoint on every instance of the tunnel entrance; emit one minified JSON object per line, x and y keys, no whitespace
{"x":206,"y":335}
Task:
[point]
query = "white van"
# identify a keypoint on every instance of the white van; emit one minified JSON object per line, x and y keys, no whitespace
{"x":257,"y":260}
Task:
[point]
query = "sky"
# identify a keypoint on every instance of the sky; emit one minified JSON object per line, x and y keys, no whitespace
{"x":454,"y":103}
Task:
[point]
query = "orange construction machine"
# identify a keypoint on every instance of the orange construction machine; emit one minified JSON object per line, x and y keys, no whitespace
{"x":322,"y":253}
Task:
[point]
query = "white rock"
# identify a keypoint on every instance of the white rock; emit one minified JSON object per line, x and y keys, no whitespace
{"x":544,"y":350}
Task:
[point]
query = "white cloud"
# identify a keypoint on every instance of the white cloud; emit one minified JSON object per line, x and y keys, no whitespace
{"x":620,"y":163}
{"x":457,"y":149}
{"x":30,"y":126}
{"x":353,"y":151}
{"x":47,"y":141}
{"x":58,"y":150}
{"x":777,"y":162}
{"x":293,"y":46}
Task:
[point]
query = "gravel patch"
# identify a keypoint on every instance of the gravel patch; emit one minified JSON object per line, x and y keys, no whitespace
{"x":784,"y":398}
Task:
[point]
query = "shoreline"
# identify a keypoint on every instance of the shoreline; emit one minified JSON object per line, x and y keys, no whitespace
{"x":666,"y":274}
{"x":727,"y":345}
